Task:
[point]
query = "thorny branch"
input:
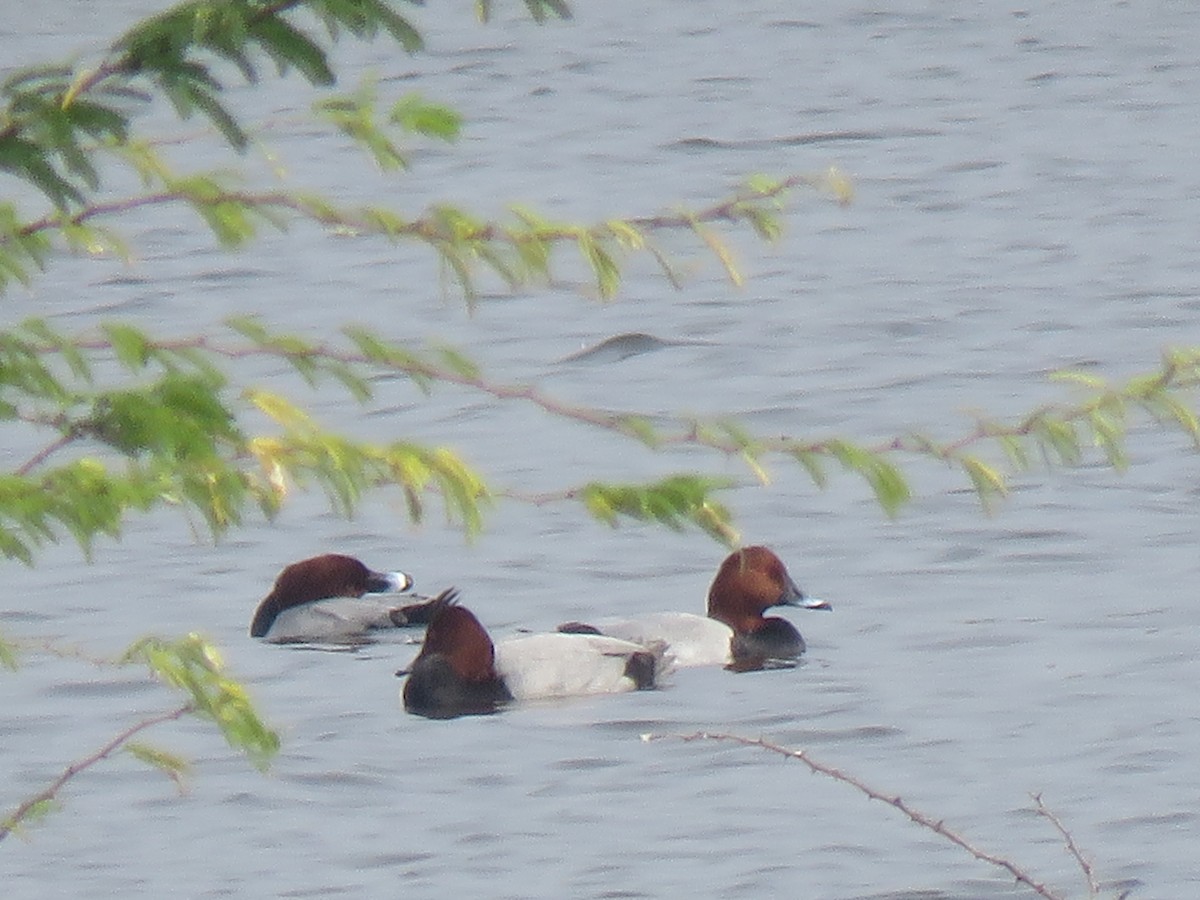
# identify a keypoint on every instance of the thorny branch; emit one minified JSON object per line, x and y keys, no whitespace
{"x":935,"y":825}
{"x":30,"y":805}
{"x":1088,"y":874}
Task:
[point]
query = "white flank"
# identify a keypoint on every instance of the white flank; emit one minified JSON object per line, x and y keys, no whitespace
{"x":565,"y":665}
{"x":336,"y":619}
{"x":692,"y":640}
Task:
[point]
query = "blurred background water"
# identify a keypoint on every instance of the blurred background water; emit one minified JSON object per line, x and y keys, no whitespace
{"x":1026,"y":201}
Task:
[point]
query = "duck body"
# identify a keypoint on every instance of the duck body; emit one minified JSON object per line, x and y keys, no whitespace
{"x":459,"y":671}
{"x":332,"y":599}
{"x":734,"y":633}
{"x":543,"y":666}
{"x":693,"y":640}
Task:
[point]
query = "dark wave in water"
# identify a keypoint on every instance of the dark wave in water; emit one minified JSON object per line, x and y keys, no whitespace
{"x":797,"y":140}
{"x":623,"y":346}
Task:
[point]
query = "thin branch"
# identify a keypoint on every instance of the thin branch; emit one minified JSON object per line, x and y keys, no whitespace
{"x":42,"y":455}
{"x":125,"y":66}
{"x":730,"y":210}
{"x":937,"y":826}
{"x":70,"y":772}
{"x":1152,"y":394}
{"x":692,"y":432}
{"x":428,"y":228}
{"x":60,"y":650}
{"x":1088,"y":873}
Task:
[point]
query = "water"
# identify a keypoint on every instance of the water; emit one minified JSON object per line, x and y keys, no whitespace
{"x":1026,"y":201}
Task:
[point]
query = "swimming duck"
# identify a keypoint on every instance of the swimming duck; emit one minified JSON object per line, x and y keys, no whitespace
{"x":735,"y":633}
{"x":460,"y":671}
{"x":323,"y":600}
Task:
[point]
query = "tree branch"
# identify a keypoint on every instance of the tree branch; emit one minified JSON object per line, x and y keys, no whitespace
{"x":30,"y":805}
{"x":1073,"y":848}
{"x":1057,"y":430}
{"x":937,"y":826}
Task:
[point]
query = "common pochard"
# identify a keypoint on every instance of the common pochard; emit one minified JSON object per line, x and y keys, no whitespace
{"x":460,"y":672}
{"x":735,"y":633}
{"x":323,"y":600}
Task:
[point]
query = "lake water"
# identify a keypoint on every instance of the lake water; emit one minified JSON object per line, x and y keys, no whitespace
{"x":1027,"y":188}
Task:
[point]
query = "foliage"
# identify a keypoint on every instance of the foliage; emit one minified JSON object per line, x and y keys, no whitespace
{"x":126,"y":421}
{"x":175,"y":432}
{"x":174,"y":436}
{"x":192,"y":666}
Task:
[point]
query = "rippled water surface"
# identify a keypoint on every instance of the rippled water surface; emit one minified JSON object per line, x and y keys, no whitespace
{"x":1026,"y":201}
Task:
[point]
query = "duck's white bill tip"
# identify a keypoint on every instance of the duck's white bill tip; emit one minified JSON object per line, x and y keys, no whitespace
{"x":398,"y":581}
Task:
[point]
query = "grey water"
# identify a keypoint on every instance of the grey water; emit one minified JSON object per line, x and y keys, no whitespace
{"x":1026,"y":201}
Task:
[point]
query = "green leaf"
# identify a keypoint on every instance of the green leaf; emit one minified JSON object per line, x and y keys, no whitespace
{"x":282,"y":411}
{"x":12,"y":270}
{"x":170,"y":764}
{"x":608,"y":274}
{"x":194,"y":666}
{"x":360,"y":389}
{"x":641,"y":428}
{"x":765,"y":225}
{"x":810,"y":459}
{"x":249,"y":327}
{"x":1073,"y":376}
{"x":1184,"y":416}
{"x":39,"y":330}
{"x":206,"y":101}
{"x":9,"y":657}
{"x":1109,"y":435}
{"x":886,"y":480}
{"x":674,"y":502}
{"x":290,"y":47}
{"x":27,"y":160}
{"x":459,"y":363}
{"x":1060,"y":438}
{"x":35,"y":813}
{"x":398,"y":27}
{"x":430,"y":119}
{"x":987,"y":481}
{"x":130,"y":345}
{"x":1014,"y":448}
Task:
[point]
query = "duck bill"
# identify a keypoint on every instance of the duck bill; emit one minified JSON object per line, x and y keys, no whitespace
{"x":793,"y":596}
{"x":813,"y":603}
{"x":388,"y":582}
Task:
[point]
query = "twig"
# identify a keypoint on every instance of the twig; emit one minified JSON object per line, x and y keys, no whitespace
{"x":937,"y":826}
{"x":30,"y":804}
{"x":1088,"y":873}
{"x":1050,"y":427}
{"x":686,"y":431}
{"x":45,"y":453}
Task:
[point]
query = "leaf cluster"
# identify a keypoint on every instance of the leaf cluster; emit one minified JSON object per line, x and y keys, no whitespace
{"x":52,"y":118}
{"x":174,"y":433}
{"x":56,"y":121}
{"x":179,"y":434}
{"x":675,"y":502}
{"x":193,"y":666}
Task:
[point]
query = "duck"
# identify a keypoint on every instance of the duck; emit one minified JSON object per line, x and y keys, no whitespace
{"x":322,"y":600}
{"x":460,"y":671}
{"x":735,"y":633}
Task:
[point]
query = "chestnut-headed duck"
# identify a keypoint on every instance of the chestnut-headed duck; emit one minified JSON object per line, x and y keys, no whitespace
{"x":321,"y":600}
{"x":460,"y":672}
{"x":735,"y":633}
